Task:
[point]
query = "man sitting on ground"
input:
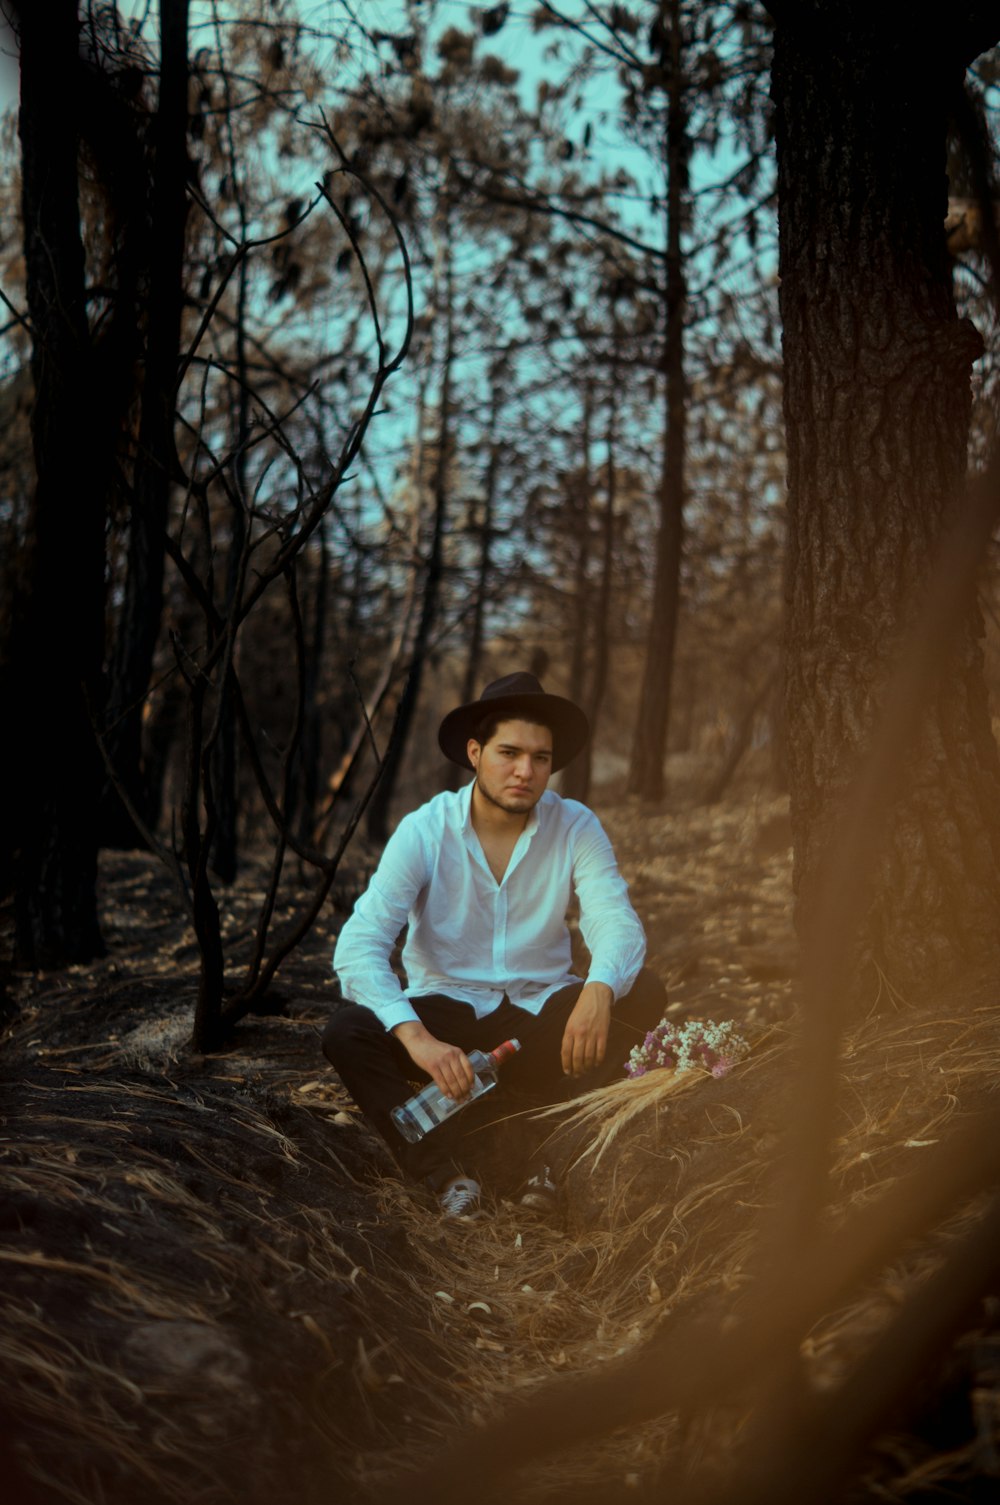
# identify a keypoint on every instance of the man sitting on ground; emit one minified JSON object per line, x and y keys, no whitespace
{"x":484,"y":878}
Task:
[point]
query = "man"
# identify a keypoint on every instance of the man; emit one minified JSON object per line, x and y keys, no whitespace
{"x":484,"y":878}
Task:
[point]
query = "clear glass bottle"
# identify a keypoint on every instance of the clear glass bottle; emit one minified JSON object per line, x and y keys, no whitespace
{"x":430,"y":1107}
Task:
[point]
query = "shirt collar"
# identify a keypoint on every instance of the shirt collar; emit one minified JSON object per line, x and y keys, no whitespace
{"x":464,"y":805}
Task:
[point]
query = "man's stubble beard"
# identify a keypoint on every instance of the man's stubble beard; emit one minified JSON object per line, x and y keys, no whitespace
{"x":508,"y":809}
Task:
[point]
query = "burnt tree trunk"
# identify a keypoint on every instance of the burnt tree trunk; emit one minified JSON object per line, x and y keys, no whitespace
{"x":56,"y":657}
{"x":499,"y":377}
{"x":139,"y":622}
{"x":221,"y":738}
{"x":650,"y":741}
{"x":741,"y":739}
{"x":306,"y":781}
{"x":576,"y":779}
{"x":877,"y":407}
{"x":574,"y":776}
{"x":599,"y":673}
{"x":455,"y":776}
{"x":580,"y":500}
{"x":378,"y":809}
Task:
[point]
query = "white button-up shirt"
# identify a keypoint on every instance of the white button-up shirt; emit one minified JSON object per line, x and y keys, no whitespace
{"x":475,"y":939}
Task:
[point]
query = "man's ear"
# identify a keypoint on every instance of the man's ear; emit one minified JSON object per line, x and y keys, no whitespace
{"x":472,"y":751}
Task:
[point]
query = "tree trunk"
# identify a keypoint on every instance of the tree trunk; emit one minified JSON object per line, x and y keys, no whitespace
{"x":575,"y":775}
{"x":575,"y":782}
{"x":378,"y":810}
{"x":599,"y":673}
{"x":877,"y":407}
{"x":305,"y":784}
{"x":579,"y":523}
{"x":474,"y":653}
{"x":163,"y":731}
{"x":224,"y":749}
{"x":383,"y":702}
{"x":56,"y":659}
{"x":470,"y":682}
{"x":139,"y":623}
{"x":207,"y":1030}
{"x":650,"y":743}
{"x":740,"y":741}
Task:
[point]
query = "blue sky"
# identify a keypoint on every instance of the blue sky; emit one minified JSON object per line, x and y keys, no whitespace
{"x":8,"y":66}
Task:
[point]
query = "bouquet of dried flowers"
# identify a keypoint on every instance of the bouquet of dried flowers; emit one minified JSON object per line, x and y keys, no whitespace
{"x":700,"y":1044}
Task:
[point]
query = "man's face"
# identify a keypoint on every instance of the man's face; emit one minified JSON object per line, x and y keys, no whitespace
{"x":513,"y":767}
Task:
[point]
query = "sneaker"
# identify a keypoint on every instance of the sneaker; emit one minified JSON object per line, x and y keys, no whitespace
{"x":459,"y":1201}
{"x":540,"y":1192}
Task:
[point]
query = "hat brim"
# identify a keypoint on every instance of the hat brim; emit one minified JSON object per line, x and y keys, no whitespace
{"x":568,"y":724}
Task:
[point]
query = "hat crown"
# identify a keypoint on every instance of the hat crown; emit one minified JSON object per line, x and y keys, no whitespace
{"x":520,"y":683}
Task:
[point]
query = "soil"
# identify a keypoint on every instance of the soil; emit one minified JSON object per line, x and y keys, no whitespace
{"x":213,"y":1287}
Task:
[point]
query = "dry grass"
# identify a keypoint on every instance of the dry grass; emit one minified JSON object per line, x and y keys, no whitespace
{"x":147,"y":1227}
{"x":509,"y":1303}
{"x":465,"y":1319}
{"x":233,"y":1203}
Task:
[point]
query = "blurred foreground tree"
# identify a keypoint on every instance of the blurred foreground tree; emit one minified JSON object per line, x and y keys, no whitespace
{"x":877,"y":408}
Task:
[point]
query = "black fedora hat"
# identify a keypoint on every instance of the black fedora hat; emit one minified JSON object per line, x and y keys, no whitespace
{"x":516,"y":695}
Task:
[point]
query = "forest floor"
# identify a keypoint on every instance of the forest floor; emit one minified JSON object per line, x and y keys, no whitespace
{"x":214,"y":1289}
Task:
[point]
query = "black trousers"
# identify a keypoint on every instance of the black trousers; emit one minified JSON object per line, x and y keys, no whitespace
{"x":377,"y":1070}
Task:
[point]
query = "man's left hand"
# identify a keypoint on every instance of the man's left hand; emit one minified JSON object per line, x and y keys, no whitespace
{"x":585,"y":1038}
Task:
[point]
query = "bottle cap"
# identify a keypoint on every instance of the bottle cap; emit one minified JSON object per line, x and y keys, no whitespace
{"x":508,"y":1048}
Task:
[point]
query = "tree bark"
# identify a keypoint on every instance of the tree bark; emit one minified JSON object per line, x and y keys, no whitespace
{"x":470,"y":682}
{"x":224,"y":747}
{"x":575,"y":783}
{"x":139,"y":623}
{"x":378,"y":810}
{"x":740,"y":742}
{"x":487,"y":533}
{"x":579,"y":510}
{"x":650,"y":742}
{"x":306,"y":783}
{"x":56,"y":658}
{"x":577,"y":524}
{"x":877,"y":407}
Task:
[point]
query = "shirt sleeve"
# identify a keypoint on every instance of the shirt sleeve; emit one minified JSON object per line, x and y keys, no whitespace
{"x":364,"y":946}
{"x":608,"y":923}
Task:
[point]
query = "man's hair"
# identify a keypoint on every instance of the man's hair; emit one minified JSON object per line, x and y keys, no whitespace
{"x":485,"y":729}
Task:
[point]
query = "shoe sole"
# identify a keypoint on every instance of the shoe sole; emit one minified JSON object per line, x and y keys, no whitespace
{"x":536,"y":1201}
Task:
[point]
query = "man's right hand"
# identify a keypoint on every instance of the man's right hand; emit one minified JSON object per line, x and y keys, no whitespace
{"x":448,"y":1066}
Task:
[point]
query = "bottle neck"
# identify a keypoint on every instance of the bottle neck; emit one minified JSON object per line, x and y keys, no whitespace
{"x":504,"y":1052}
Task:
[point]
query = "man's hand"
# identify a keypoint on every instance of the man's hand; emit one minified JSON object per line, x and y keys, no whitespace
{"x":446,"y":1064}
{"x":585,"y":1038}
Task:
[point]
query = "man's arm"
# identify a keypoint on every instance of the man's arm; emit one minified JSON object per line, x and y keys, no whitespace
{"x":363,"y":949}
{"x":446,"y":1064}
{"x":608,"y":923}
{"x":364,"y":946}
{"x":585,"y":1038}
{"x":615,"y":939}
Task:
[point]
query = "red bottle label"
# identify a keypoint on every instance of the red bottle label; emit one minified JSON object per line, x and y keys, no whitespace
{"x":508,"y":1048}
